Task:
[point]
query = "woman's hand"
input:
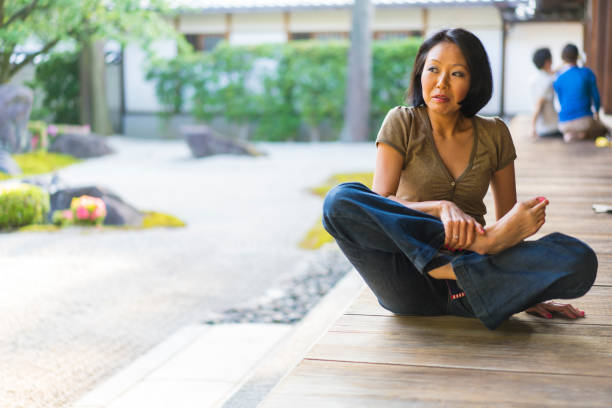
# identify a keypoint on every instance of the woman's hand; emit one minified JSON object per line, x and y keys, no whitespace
{"x":460,"y":229}
{"x":546,"y":310}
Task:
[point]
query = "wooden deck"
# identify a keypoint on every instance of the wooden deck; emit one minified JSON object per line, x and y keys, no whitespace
{"x":370,"y":358}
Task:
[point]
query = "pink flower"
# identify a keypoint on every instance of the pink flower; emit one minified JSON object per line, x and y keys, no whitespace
{"x":99,"y":212}
{"x":88,"y":210}
{"x":67,"y":214}
{"x":82,"y":213}
{"x":52,"y":130}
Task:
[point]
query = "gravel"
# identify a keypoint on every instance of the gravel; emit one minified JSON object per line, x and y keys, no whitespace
{"x":291,"y":301}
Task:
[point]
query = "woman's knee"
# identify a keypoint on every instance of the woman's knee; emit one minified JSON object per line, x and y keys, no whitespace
{"x":587,"y":270}
{"x":583,"y":267}
{"x":339,"y":198}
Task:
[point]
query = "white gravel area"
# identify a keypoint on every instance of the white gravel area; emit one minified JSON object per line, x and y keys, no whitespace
{"x":77,"y":305}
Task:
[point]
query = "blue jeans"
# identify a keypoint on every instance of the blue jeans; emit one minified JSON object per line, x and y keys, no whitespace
{"x":394,"y":247}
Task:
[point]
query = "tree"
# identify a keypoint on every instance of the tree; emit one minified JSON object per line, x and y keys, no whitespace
{"x":357,"y":112}
{"x":44,"y":24}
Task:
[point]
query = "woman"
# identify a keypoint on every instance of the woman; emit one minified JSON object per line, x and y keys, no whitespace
{"x":418,"y":237}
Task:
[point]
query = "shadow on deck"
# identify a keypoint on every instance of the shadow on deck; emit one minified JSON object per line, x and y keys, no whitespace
{"x":370,"y":358}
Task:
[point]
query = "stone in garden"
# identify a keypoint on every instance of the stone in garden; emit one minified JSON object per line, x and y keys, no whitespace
{"x":204,"y":141}
{"x":118,"y":212}
{"x":49,"y":182}
{"x":81,"y":146}
{"x":15,"y":107}
{"x":7,"y":164}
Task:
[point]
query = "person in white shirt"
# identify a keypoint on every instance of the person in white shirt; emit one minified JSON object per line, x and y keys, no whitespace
{"x":545,"y":120}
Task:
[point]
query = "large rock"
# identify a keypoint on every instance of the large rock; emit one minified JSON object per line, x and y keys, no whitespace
{"x":118,"y":212}
{"x":15,"y":107}
{"x":81,"y":146}
{"x":7,"y":164}
{"x":204,"y":141}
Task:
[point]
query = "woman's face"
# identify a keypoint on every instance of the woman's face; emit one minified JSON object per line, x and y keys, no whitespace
{"x":445,"y":80}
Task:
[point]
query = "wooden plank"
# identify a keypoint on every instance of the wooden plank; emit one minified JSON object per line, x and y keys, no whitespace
{"x":597,"y":304}
{"x":335,"y":384}
{"x":601,"y":243}
{"x":446,"y":341}
{"x":604,"y":271}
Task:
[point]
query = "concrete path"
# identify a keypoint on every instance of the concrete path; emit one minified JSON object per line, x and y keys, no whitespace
{"x":79,"y":305}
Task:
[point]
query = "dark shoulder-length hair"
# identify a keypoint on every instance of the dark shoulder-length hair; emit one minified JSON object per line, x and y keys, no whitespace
{"x":481,"y":78}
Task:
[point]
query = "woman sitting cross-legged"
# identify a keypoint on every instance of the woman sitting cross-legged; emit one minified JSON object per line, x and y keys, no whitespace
{"x":418,"y":238}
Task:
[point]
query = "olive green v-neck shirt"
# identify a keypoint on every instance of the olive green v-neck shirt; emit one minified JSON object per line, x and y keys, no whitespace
{"x":424,"y":176}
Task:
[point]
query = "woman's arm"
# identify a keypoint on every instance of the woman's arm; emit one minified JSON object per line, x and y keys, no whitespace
{"x":389,"y":163}
{"x":460,"y":229}
{"x":503,"y":185}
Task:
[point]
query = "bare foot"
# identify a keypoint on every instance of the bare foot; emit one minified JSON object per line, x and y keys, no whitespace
{"x":522,"y":221}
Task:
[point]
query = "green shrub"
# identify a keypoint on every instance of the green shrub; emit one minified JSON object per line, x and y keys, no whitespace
{"x":21,"y":205}
{"x":278,"y":88}
{"x":58,"y":77}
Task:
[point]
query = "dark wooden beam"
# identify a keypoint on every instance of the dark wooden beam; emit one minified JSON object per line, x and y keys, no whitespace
{"x":597,"y":47}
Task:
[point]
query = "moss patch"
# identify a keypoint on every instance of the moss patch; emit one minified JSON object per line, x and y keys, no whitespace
{"x":316,"y":237}
{"x":40,"y":162}
{"x":334,"y":180}
{"x":40,"y":228}
{"x":151,"y":219}
{"x":154,"y":219}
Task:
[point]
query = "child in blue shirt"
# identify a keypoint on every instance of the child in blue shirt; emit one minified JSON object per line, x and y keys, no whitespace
{"x":576,"y":90}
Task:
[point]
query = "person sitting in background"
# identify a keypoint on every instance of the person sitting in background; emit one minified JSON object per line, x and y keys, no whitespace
{"x":576,"y":89}
{"x":545,"y":122}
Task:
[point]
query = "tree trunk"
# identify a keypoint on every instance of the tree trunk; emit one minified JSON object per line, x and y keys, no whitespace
{"x":359,"y":78}
{"x":85,"y":83}
{"x":243,"y":131}
{"x":5,"y":65}
{"x":315,"y":133}
{"x":94,"y":105}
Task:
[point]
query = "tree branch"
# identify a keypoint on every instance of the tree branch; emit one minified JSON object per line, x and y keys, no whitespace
{"x":1,"y":13}
{"x":31,"y":57}
{"x":21,"y":14}
{"x":5,"y":64}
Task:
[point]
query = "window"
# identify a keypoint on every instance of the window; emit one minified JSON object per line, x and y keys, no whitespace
{"x":204,"y":42}
{"x":323,"y":36}
{"x":396,"y":35}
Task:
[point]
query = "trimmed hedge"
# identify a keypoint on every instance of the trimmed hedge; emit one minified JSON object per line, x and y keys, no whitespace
{"x":22,"y":205}
{"x":276,"y":89}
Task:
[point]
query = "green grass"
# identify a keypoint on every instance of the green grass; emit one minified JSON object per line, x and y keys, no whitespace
{"x":316,"y":237}
{"x":154,"y":219}
{"x":40,"y":162}
{"x":39,"y":228}
{"x":334,"y":180}
{"x":151,"y":219}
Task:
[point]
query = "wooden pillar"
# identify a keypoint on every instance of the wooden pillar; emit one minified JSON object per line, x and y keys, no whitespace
{"x":228,"y":26}
{"x":425,"y":19}
{"x":606,"y":39}
{"x":287,"y":25}
{"x":597,"y":47}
